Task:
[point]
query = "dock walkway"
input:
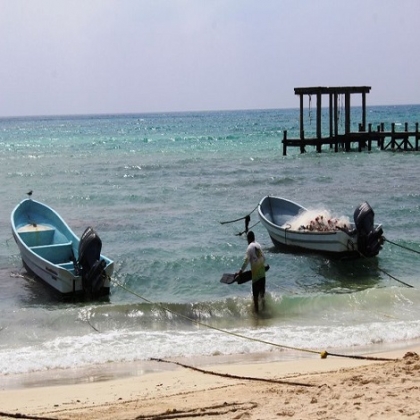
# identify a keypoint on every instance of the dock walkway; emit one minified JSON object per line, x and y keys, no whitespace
{"x":385,"y":140}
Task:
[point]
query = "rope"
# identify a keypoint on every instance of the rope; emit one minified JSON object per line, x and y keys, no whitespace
{"x":211,"y":326}
{"x":25,"y":416}
{"x":223,"y":409}
{"x":246,"y":230}
{"x":323,"y":354}
{"x":377,"y":359}
{"x":394,"y":278}
{"x":309,"y":111}
{"x":385,"y":272}
{"x":240,"y":218}
{"x":7,"y":240}
{"x":228,"y":375}
{"x":401,"y":246}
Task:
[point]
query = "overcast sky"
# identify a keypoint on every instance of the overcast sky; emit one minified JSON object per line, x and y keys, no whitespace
{"x":130,"y":56}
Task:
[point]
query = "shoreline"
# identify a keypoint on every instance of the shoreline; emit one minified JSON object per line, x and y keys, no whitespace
{"x":124,"y":370}
{"x":165,"y":387}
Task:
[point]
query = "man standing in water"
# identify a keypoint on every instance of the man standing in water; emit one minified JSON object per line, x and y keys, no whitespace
{"x":255,"y":256}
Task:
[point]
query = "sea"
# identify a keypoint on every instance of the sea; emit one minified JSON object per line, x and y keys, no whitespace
{"x":157,"y":188}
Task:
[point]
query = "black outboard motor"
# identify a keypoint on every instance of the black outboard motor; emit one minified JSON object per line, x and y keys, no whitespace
{"x":91,"y":266}
{"x":369,"y":240}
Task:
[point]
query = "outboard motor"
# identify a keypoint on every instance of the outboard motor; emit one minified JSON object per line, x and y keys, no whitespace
{"x":91,"y":266}
{"x":369,"y":239}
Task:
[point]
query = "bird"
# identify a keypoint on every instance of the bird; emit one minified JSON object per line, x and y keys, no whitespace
{"x":29,"y":193}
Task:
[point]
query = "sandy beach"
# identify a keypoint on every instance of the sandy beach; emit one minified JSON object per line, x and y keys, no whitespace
{"x":303,"y":388}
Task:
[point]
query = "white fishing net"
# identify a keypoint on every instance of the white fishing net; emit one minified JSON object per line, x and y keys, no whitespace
{"x":319,"y":220}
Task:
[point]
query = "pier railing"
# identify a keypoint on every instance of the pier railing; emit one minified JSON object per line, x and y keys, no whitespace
{"x":385,"y":140}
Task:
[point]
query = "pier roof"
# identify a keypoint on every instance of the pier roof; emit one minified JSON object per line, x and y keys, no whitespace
{"x":339,"y":90}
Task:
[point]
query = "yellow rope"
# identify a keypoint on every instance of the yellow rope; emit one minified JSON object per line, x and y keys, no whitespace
{"x":323,"y":354}
{"x":211,"y":326}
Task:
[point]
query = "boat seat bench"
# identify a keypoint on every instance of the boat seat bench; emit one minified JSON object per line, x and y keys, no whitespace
{"x":37,"y":237}
{"x":56,"y":253}
{"x":67,"y":266}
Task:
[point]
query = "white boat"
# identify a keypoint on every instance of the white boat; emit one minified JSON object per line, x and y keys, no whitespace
{"x":292,"y":227}
{"x":52,"y":252}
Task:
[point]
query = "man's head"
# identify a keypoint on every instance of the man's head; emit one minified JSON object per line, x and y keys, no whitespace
{"x":250,"y":236}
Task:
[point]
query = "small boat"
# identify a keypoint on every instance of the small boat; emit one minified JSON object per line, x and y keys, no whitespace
{"x":295,"y":228}
{"x":52,"y":252}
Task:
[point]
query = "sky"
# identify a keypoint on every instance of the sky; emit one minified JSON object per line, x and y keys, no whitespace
{"x":66,"y":57}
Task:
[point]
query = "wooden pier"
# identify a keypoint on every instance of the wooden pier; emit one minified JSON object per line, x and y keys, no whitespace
{"x":364,"y":138}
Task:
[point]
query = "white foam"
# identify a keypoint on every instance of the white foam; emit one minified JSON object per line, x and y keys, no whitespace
{"x":129,"y":346}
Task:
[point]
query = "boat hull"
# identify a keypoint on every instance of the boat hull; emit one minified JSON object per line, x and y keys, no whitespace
{"x":49,"y":249}
{"x":327,"y":246}
{"x":276,"y":214}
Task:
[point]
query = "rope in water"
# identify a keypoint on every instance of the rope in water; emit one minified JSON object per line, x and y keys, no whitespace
{"x":323,"y":354}
{"x":202,"y":324}
{"x":394,"y":278}
{"x":385,"y":272}
{"x":402,"y":246}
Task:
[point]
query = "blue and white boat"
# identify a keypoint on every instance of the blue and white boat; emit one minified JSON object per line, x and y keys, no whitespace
{"x":52,"y":252}
{"x":293,"y":228}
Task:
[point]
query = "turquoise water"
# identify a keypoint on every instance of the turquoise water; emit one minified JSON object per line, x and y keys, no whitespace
{"x":156,"y":187}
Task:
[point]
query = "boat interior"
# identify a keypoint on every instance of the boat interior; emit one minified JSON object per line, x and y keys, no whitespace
{"x":48,"y":243}
{"x":279,"y":212}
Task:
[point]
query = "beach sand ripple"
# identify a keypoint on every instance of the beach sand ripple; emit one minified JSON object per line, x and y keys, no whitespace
{"x":338,"y":390}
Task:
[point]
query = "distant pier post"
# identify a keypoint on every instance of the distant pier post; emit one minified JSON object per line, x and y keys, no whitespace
{"x":331,"y":105}
{"x":393,"y":136}
{"x":301,"y":117}
{"x":284,"y":142}
{"x":364,"y":111}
